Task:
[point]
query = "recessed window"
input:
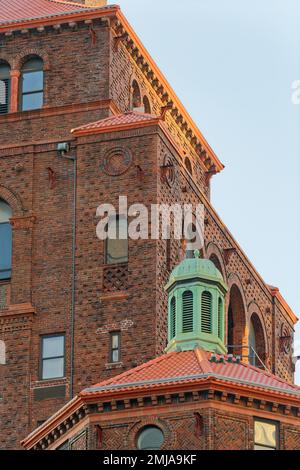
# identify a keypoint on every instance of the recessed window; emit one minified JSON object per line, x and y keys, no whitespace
{"x":146,"y":103}
{"x":265,"y":435}
{"x":150,"y":438}
{"x":53,"y":357}
{"x":117,"y":242}
{"x":188,"y":165}
{"x":5,"y":241}
{"x":136,"y":97}
{"x":4,"y":87}
{"x":32,"y":85}
{"x":115,"y":347}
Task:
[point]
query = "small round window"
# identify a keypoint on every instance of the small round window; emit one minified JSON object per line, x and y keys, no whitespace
{"x":150,"y":438}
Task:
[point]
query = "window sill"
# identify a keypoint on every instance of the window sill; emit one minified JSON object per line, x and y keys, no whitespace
{"x":114,"y":365}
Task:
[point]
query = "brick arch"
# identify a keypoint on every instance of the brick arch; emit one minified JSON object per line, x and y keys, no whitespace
{"x":5,"y":60}
{"x":236,"y":324}
{"x":169,"y":433}
{"x":214,"y":253}
{"x":254,"y":313}
{"x":13,"y":200}
{"x":21,"y":58}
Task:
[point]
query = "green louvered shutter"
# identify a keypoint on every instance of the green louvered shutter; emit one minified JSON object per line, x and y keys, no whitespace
{"x":220,"y":318}
{"x":206,"y":312}
{"x":173,"y":318}
{"x":187,"y":312}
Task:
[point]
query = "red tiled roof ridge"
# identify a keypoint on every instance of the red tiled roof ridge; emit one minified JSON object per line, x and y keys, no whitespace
{"x":257,"y":369}
{"x":130,"y":372}
{"x":118,"y":119}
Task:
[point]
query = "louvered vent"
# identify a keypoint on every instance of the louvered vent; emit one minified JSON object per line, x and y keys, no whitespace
{"x":220,"y":318}
{"x":173,"y":318}
{"x":4,"y":95}
{"x":187,"y":312}
{"x":206,"y":313}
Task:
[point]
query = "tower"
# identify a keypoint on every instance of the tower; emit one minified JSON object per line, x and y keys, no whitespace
{"x":196,"y":299}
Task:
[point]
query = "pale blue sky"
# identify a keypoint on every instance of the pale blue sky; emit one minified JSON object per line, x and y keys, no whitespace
{"x":232,"y":63}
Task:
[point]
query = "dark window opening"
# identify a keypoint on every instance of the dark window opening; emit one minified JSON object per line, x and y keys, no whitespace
{"x":115,"y":347}
{"x":4,"y":88}
{"x":5,"y":241}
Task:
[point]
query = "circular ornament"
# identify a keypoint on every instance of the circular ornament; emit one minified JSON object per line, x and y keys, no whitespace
{"x":116,"y":161}
{"x":170,"y":175}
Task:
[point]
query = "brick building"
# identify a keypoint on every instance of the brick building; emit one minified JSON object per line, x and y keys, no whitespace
{"x":86,"y":116}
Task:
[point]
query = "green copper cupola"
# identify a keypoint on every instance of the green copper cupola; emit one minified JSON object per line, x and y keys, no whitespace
{"x":196,"y":306}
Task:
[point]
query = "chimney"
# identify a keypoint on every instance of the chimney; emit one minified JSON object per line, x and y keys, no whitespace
{"x":96,"y":3}
{"x":92,"y":3}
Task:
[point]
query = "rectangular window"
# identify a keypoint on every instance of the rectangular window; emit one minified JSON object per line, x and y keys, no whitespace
{"x":5,"y":250}
{"x":32,"y":90}
{"x":4,"y":95}
{"x":53,"y":357}
{"x":116,"y":251}
{"x":115,"y":347}
{"x":266,"y":435}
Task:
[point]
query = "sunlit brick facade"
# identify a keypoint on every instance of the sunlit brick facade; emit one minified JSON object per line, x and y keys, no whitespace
{"x":94,"y":67}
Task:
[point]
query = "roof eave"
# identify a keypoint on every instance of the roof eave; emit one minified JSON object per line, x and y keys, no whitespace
{"x":80,"y":15}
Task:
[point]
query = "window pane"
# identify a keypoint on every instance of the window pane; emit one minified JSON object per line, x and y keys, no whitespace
{"x":33,"y":81}
{"x":53,"y":368}
{"x":117,"y":245}
{"x":115,"y":355}
{"x":53,"y":346}
{"x":5,"y":211}
{"x":117,"y":251}
{"x":151,"y":438}
{"x":265,"y":433}
{"x":34,"y":101}
{"x":115,"y":341}
{"x":5,"y":250}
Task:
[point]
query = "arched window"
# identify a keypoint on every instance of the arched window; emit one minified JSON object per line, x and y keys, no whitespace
{"x":136,"y":96}
{"x":146,"y":103}
{"x":220,"y":319}
{"x":150,"y":438}
{"x":5,"y":240}
{"x":2,"y":353}
{"x":116,"y":251}
{"x":32,"y":84}
{"x":256,"y":339}
{"x":206,"y":312}
{"x":187,"y":312}
{"x":173,"y":318}
{"x":188,"y":165}
{"x":252,"y":344}
{"x":4,"y":87}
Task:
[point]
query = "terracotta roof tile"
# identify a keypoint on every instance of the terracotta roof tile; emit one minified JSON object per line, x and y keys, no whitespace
{"x":14,"y":11}
{"x":190,"y":366}
{"x":125,"y":119}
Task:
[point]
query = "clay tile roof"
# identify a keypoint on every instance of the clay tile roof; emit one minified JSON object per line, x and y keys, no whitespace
{"x":14,"y":11}
{"x":192,"y":366}
{"x":126,"y":120}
